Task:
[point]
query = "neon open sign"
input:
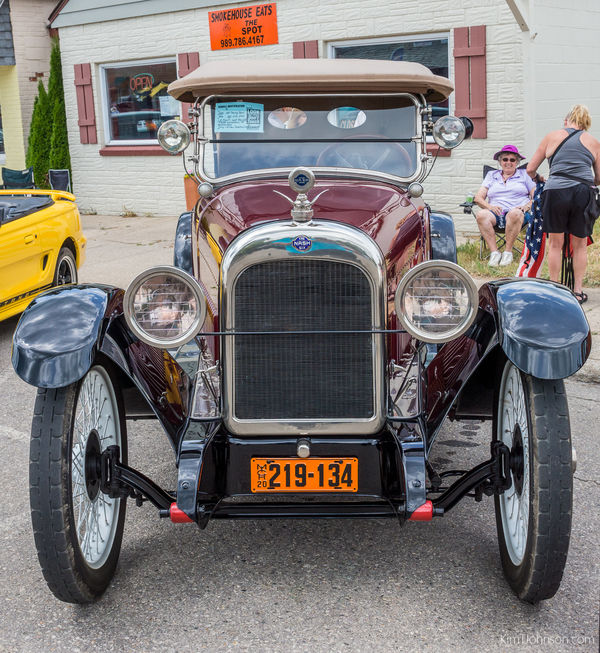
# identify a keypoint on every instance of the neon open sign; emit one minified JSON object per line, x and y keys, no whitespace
{"x":141,"y":81}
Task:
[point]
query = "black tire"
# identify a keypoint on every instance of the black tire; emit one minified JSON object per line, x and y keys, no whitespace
{"x":60,"y":527}
{"x":65,"y":270}
{"x":541,"y":471}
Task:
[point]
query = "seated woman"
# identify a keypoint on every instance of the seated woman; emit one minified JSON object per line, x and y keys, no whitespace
{"x":504,"y":198}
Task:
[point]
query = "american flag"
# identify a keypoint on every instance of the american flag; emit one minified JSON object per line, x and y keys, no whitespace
{"x":535,"y":239}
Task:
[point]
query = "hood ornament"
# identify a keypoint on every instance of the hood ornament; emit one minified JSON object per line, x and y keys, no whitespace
{"x":301,"y":180}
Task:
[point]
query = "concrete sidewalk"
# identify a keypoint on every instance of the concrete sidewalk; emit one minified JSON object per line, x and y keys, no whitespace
{"x":119,"y":248}
{"x":590,"y":372}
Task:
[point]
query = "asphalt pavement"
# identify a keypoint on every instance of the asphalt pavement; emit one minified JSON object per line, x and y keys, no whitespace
{"x":343,"y":585}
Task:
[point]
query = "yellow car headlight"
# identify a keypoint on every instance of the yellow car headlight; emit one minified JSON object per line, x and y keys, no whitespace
{"x":164,"y":306}
{"x":436,"y":301}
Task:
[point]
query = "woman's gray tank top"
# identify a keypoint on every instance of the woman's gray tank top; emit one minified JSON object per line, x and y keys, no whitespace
{"x":574,"y":159}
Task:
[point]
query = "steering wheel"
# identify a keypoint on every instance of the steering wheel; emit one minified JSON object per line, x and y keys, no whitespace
{"x":392,"y":158}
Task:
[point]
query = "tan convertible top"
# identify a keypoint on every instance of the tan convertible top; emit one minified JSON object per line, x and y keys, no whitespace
{"x":310,"y":76}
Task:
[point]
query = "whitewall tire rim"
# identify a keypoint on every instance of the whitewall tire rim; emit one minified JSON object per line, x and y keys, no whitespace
{"x":513,"y":431}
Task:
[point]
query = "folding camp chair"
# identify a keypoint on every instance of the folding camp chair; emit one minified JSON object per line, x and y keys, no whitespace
{"x":500,"y":233}
{"x":17,"y":178}
{"x":60,"y":179}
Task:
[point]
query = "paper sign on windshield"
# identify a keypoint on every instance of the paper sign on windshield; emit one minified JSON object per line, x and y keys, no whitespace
{"x":243,"y":27}
{"x":237,"y":117}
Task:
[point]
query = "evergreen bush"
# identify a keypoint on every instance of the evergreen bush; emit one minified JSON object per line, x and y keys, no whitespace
{"x":48,"y":145}
{"x":59,"y":143}
{"x":32,"y":133}
{"x":40,"y":133}
{"x":55,"y":82}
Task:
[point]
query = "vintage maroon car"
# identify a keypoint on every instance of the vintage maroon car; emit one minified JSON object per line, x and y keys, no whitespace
{"x":310,"y":339}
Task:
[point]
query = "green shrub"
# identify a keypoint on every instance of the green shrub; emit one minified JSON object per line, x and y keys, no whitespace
{"x":55,"y":82}
{"x":40,"y":133}
{"x":48,"y":145}
{"x":59,"y":142}
{"x":35,"y":116}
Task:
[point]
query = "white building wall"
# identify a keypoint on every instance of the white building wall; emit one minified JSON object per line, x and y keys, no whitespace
{"x":563,"y":58}
{"x":154,"y":184}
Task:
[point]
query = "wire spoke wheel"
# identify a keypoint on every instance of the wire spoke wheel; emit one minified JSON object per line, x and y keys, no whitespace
{"x":77,"y":528}
{"x":533,"y":517}
{"x":95,"y":428}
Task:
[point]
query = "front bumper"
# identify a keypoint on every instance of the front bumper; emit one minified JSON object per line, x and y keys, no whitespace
{"x":214,"y":479}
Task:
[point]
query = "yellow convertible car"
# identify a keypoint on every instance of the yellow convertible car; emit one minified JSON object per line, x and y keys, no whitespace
{"x":41,"y":245}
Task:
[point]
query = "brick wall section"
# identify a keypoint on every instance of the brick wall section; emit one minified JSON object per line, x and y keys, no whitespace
{"x":155,"y":184}
{"x":32,"y":51}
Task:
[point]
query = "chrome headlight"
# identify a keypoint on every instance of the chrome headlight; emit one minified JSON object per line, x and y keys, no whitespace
{"x":436,"y":301}
{"x":448,"y":132}
{"x":174,"y":136}
{"x":164,"y":307}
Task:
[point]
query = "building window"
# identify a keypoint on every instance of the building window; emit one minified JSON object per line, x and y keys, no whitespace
{"x":135,"y":101}
{"x":431,"y":50}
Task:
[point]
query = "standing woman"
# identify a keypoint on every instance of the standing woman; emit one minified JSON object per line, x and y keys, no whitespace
{"x":571,"y":154}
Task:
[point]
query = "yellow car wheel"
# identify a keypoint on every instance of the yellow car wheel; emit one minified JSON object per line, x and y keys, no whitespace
{"x":66,"y":268}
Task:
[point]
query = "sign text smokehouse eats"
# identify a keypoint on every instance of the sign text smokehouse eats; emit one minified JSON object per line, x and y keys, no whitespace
{"x":243,"y":27}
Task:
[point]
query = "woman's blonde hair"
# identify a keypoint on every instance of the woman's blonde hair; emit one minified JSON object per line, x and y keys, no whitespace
{"x":579,"y":115}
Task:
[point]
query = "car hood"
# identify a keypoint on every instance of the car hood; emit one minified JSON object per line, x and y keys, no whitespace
{"x":381,"y":210}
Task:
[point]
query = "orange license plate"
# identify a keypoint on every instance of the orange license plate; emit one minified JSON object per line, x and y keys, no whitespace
{"x":304,"y":474}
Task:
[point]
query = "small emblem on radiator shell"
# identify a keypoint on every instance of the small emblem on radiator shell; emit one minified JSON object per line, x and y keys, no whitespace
{"x":302,"y":243}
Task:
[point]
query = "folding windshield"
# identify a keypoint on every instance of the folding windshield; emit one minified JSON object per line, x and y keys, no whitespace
{"x":375,"y":133}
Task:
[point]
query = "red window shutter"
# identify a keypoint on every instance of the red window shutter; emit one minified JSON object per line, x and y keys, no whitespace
{"x":306,"y":49}
{"x":470,"y":95}
{"x":186,"y":62}
{"x":85,"y":103}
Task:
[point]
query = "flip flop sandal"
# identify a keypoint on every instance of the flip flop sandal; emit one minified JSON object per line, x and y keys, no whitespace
{"x":581,"y":297}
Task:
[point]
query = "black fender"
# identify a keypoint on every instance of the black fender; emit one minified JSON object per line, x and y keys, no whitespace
{"x":65,"y":330}
{"x":537,"y":324}
{"x":55,"y":340}
{"x":182,"y":251}
{"x":442,"y":236}
{"x":542,"y":328}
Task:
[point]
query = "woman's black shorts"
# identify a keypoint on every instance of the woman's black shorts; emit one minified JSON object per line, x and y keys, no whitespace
{"x":563,"y":211}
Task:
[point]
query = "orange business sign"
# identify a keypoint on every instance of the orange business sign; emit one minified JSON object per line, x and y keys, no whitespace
{"x":243,"y":27}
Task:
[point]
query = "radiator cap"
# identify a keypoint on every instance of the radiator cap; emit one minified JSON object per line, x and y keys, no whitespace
{"x":301,"y":180}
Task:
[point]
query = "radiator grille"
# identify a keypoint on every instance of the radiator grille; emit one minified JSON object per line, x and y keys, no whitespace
{"x":303,"y":376}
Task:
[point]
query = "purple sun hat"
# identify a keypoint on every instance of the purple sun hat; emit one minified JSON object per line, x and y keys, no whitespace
{"x":512,"y":149}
